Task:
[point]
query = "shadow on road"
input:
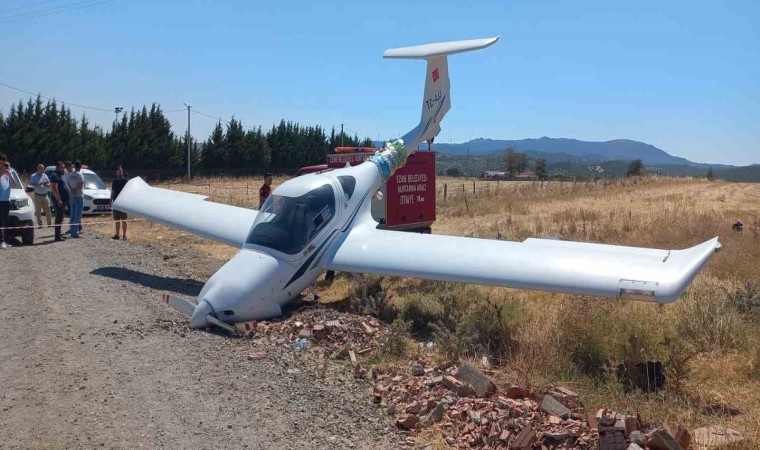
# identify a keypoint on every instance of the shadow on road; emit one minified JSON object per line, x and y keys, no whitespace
{"x":181,"y":286}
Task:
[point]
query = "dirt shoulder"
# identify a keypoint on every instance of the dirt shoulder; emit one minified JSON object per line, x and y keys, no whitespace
{"x":91,"y":358}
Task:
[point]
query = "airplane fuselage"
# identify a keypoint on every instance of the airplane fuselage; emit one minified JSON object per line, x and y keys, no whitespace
{"x":299,"y":227}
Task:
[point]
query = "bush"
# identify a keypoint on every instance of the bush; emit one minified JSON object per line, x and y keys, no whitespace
{"x":397,"y":343}
{"x":421,"y":309}
{"x":746,"y":300}
{"x":453,"y":345}
{"x":494,"y":323}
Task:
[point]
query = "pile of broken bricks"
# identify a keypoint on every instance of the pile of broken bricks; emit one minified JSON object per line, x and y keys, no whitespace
{"x":465,"y":404}
{"x":469,"y":410}
{"x":330,"y":329}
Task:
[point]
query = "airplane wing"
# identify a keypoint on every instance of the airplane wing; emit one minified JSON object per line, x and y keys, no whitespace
{"x":540,"y":264}
{"x":189,"y":212}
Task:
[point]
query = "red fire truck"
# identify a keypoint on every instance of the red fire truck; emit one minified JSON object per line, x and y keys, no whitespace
{"x":408,"y":201}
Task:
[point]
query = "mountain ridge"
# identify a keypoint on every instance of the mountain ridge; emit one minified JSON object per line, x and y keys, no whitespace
{"x":586,"y":151}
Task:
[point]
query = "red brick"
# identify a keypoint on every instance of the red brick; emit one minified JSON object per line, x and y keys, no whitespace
{"x":524,"y":440}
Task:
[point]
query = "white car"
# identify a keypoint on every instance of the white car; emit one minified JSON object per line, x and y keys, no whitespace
{"x":97,"y":197}
{"x":22,"y":212}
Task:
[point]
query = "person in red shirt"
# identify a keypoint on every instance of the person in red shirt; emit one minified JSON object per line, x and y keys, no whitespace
{"x":266,"y":189}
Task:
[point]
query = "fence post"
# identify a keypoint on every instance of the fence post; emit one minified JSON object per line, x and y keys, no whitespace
{"x":445,"y":191}
{"x":473,"y":186}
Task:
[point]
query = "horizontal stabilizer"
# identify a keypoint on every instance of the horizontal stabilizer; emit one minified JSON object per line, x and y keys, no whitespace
{"x":436,"y":100}
{"x":426,"y":51}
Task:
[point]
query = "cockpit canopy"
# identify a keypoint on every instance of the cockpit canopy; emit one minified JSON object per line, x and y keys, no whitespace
{"x":289,"y":224}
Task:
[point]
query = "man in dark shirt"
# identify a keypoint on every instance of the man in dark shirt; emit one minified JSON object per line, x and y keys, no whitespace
{"x":119,"y":217}
{"x":265,"y":190}
{"x":60,"y":191}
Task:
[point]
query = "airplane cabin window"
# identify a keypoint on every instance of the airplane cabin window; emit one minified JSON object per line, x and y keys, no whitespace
{"x":289,"y":224}
{"x":348,"y":183}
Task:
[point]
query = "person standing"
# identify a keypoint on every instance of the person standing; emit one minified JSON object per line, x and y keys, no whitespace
{"x":76,"y":187}
{"x":41,"y":184}
{"x":5,"y":198}
{"x":60,"y":195}
{"x":119,"y":217}
{"x":266,"y":189}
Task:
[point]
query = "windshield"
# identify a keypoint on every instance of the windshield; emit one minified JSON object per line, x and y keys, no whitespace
{"x":92,"y":181}
{"x":288,"y":224}
{"x":15,"y":180}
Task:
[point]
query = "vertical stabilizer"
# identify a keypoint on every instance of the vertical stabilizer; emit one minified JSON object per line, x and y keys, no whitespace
{"x":437,"y":99}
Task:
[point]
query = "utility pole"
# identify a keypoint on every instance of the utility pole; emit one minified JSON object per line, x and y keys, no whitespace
{"x":188,"y":139}
{"x":116,"y":111}
{"x":341,"y":135}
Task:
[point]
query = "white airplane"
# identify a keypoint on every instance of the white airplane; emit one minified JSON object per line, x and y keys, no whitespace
{"x":322,"y":221}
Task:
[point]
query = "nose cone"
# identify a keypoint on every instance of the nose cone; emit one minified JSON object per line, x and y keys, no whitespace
{"x":199,"y":315}
{"x":246,"y":288}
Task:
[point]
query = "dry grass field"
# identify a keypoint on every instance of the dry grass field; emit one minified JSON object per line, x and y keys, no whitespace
{"x":708,"y":341}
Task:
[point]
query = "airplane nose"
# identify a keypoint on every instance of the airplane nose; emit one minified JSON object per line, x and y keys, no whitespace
{"x":245,"y":288}
{"x":199,"y":315}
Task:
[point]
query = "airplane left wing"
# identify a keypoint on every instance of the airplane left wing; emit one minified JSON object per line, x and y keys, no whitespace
{"x":540,"y":264}
{"x":189,"y":212}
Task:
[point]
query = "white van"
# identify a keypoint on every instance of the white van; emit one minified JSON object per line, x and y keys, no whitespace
{"x":97,"y":196}
{"x":22,"y":212}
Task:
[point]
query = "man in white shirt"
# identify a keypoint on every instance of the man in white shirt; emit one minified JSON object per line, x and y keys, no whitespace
{"x":41,"y":184}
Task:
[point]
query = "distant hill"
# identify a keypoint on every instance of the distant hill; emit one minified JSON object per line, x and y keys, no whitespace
{"x":555,"y":149}
{"x":476,"y":165}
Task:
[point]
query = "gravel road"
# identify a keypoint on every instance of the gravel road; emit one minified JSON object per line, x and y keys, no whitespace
{"x":89,"y":357}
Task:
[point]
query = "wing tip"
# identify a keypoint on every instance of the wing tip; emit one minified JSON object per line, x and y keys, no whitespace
{"x":693,"y":259}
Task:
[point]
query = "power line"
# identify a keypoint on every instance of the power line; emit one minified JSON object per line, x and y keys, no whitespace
{"x":31,"y":5}
{"x":74,"y":104}
{"x":53,"y":99}
{"x":42,"y":13}
{"x":219,"y":119}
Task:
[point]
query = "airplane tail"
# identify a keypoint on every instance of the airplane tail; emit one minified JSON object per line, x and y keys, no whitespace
{"x":436,"y":102}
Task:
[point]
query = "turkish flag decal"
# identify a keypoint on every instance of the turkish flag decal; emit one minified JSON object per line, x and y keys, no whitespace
{"x":435,"y":75}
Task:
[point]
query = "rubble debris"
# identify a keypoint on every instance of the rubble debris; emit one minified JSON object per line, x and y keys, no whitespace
{"x":633,"y":446}
{"x":517,"y":392}
{"x":611,"y":440}
{"x":329,"y":329}
{"x":407,"y":422}
{"x":683,"y":437}
{"x":550,"y":405}
{"x":480,"y":382}
{"x":662,"y":440}
{"x":255,"y":356}
{"x":417,"y":370}
{"x":524,"y":440}
{"x":638,"y":438}
{"x":714,"y":436}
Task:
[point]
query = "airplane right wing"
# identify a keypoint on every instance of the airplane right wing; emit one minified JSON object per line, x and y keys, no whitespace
{"x":540,"y":264}
{"x":189,"y":212}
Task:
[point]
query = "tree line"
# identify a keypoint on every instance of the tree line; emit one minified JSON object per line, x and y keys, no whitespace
{"x":43,"y":132}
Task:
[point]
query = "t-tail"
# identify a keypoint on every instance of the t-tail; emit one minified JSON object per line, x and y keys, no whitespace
{"x":437,"y":100}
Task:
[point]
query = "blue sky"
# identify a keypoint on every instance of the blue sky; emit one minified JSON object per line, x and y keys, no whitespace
{"x":684,"y":76}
